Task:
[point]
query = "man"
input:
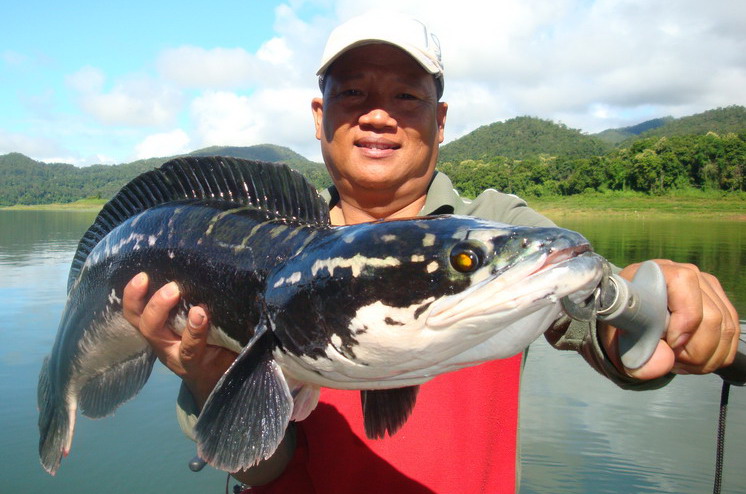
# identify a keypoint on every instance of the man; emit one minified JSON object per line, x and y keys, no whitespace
{"x":379,"y":123}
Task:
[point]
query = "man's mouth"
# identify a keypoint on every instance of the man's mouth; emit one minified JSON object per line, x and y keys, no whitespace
{"x":377,"y":146}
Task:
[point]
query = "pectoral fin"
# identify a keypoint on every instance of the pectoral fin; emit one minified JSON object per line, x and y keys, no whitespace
{"x":386,"y":410}
{"x":245,"y":417}
{"x":114,"y":385}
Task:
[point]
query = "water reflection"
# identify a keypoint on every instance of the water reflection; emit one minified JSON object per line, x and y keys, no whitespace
{"x":139,"y":449}
{"x":579,"y":433}
{"x":717,"y":247}
{"x":35,"y":236}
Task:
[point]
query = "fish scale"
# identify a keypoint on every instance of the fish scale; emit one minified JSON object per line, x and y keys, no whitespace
{"x":379,"y":307}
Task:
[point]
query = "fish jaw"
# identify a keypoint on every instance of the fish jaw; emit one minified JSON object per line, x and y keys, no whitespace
{"x":523,"y":314}
{"x":546,"y":277}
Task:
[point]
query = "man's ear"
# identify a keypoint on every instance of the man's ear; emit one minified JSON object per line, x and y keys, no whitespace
{"x":441,"y":111}
{"x":317,"y":107}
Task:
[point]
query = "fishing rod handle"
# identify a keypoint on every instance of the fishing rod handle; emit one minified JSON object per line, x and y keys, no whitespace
{"x":640,"y":312}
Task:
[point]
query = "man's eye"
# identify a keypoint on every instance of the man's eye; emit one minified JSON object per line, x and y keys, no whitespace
{"x":350,"y":92}
{"x":407,"y":96}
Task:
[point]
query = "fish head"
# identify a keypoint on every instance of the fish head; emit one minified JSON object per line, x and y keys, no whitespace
{"x":396,"y":302}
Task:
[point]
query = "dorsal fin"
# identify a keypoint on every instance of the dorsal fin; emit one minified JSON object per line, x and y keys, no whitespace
{"x":271,"y":187}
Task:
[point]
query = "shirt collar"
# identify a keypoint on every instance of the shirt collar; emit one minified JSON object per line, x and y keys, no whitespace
{"x":442,"y":198}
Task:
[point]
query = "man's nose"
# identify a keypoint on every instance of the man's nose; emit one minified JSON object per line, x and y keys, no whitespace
{"x":377,"y":117}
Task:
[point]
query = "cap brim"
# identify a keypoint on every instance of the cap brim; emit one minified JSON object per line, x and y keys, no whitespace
{"x":422,"y":59}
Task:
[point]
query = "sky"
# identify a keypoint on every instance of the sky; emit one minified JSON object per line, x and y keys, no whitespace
{"x":87,"y":82}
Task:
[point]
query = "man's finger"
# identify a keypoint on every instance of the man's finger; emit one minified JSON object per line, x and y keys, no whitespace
{"x":711,"y":345}
{"x":684,"y":302}
{"x":194,"y":339}
{"x":659,"y":365}
{"x":155,"y":314}
{"x":731,"y":326}
{"x":134,"y":298}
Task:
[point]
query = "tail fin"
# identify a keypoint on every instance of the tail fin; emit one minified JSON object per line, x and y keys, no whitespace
{"x":55,"y":427}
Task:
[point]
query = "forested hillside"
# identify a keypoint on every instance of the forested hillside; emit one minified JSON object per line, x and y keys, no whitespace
{"x":314,"y":172}
{"x":731,"y":119}
{"x":653,"y":165}
{"x":705,"y":151}
{"x":520,"y":138}
{"x":524,"y":156}
{"x":616,"y":136}
{"x":25,"y":181}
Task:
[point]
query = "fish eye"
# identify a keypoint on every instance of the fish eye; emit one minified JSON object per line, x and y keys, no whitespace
{"x":466,"y":258}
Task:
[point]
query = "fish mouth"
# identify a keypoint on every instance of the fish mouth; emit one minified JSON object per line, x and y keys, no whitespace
{"x":536,"y":281}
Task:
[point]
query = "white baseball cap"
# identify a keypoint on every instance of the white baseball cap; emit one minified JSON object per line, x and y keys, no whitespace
{"x":397,"y":29}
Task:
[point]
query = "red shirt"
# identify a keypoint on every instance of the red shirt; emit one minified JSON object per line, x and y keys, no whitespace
{"x":461,"y":438}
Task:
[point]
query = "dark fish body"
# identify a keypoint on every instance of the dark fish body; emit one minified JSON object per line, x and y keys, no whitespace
{"x":381,"y":307}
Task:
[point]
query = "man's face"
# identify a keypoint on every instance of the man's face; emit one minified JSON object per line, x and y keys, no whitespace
{"x":379,"y":122}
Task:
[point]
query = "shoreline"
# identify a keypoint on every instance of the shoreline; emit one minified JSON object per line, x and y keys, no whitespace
{"x":726,"y":208}
{"x":700,"y":206}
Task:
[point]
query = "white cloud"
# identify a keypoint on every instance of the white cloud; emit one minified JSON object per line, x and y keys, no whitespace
{"x":30,"y":145}
{"x":560,"y":59}
{"x":592,"y":64}
{"x":164,"y":144}
{"x":280,"y":61}
{"x":278,"y":116}
{"x":48,"y":150}
{"x":87,"y":80}
{"x":225,"y":118}
{"x":136,"y":100}
{"x":275,"y":51}
{"x":13,"y":58}
{"x":218,"y":68}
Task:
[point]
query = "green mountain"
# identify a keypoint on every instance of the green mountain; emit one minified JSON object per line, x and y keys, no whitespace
{"x":26,"y":181}
{"x":616,"y":136}
{"x":260,"y":152}
{"x":520,"y":155}
{"x":731,"y":119}
{"x":521,"y":138}
{"x":315,"y":172}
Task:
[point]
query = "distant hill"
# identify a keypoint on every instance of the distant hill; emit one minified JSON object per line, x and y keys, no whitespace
{"x":26,"y":181}
{"x":260,"y":152}
{"x":720,"y":120}
{"x":315,"y":172}
{"x":521,"y":138}
{"x":616,"y":136}
{"x":731,"y":119}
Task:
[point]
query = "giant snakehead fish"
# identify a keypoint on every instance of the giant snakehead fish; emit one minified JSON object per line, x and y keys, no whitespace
{"x":380,"y":307}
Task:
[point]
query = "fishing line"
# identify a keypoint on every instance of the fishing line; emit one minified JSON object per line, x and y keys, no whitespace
{"x":724,"y":394}
{"x":734,"y":374}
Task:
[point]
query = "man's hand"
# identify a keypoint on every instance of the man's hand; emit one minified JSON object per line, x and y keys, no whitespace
{"x":189,"y":356}
{"x":703,"y":331}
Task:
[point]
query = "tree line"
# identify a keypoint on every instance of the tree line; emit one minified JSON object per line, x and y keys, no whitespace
{"x":523,"y":155}
{"x":26,"y":181}
{"x":654,"y":165}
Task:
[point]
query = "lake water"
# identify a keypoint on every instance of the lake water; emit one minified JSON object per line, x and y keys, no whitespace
{"x":580,"y":434}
